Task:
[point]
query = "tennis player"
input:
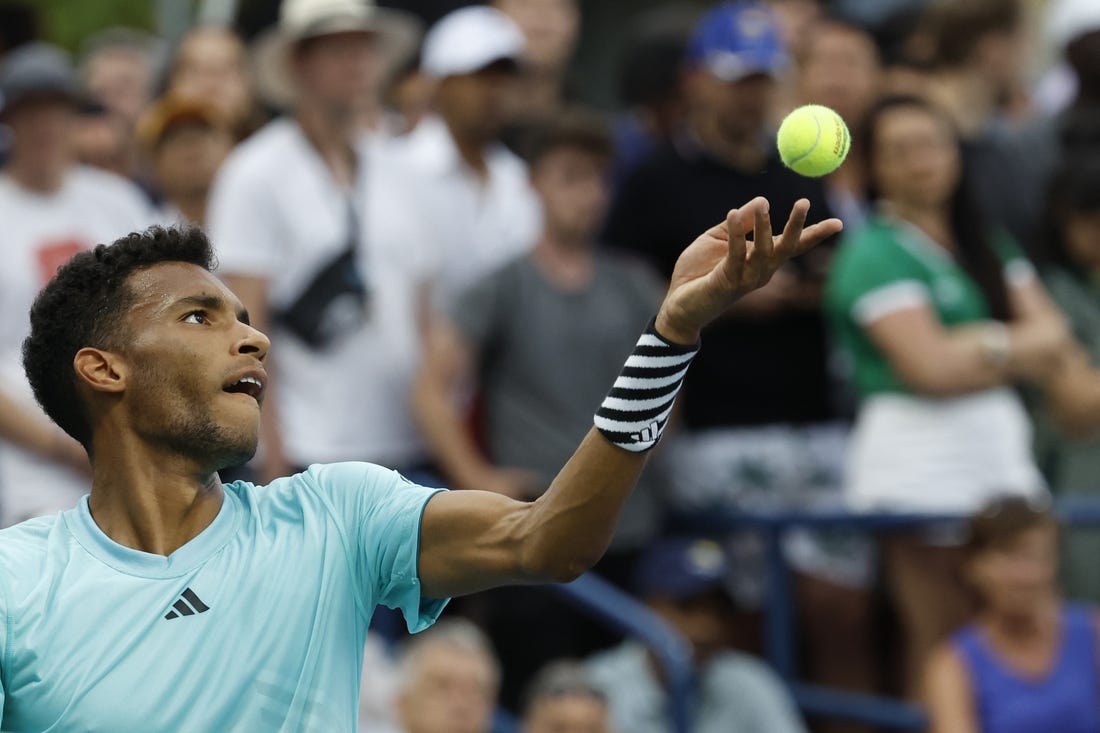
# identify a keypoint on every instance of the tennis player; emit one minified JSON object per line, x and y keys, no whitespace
{"x":167,"y":601}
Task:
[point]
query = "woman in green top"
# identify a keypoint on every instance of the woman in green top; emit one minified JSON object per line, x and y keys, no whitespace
{"x":936,"y":316}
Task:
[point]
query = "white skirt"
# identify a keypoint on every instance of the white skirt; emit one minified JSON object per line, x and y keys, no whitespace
{"x":948,"y":455}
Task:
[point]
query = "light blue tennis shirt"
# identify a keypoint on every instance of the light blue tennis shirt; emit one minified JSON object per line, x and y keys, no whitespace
{"x":257,"y":624}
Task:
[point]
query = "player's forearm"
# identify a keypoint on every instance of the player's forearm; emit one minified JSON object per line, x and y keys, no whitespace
{"x":569,"y":528}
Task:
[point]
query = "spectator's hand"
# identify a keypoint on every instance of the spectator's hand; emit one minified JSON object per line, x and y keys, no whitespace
{"x":1040,"y":349}
{"x":720,"y":267}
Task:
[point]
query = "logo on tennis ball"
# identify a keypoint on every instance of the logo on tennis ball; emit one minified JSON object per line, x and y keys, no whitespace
{"x":813,"y":140}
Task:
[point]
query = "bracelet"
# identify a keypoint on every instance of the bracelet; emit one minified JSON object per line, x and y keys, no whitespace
{"x":996,"y":344}
{"x":636,"y":410}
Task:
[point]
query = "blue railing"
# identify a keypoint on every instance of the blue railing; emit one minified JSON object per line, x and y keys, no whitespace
{"x":628,"y":615}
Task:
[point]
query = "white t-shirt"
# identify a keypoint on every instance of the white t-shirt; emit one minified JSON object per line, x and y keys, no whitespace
{"x":276,"y":213}
{"x":41,"y":232}
{"x":478,"y":224}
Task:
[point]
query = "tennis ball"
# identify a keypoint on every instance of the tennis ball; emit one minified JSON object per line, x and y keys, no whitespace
{"x":813,"y":140}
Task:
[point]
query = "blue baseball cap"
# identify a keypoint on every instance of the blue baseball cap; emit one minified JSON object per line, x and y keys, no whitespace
{"x":37,"y":69}
{"x":738,"y":39}
{"x":681,"y":568}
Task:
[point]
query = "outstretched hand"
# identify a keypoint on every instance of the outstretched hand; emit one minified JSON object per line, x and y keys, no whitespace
{"x":721,"y":266}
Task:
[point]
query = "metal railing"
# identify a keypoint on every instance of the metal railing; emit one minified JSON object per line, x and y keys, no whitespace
{"x":628,"y":615}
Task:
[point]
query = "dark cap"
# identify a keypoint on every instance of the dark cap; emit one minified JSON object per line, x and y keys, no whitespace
{"x":681,"y":568}
{"x":37,"y":69}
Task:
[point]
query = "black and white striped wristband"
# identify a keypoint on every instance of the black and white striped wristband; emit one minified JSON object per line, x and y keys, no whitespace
{"x":635,"y":411}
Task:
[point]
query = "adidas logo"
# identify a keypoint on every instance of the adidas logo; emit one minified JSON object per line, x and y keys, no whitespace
{"x":647,"y":433}
{"x":182,"y":607}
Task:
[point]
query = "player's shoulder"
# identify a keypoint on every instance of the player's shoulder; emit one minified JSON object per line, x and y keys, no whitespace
{"x":24,"y":551}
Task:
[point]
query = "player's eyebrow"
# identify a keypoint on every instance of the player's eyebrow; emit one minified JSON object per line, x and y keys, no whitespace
{"x":212,"y":302}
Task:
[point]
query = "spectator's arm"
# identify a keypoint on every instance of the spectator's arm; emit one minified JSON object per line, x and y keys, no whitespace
{"x":26,"y":429}
{"x":252,"y":291}
{"x":448,"y":364}
{"x":475,"y":540}
{"x":948,"y":696}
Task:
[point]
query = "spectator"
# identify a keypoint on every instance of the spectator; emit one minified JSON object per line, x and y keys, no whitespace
{"x":51,"y":208}
{"x":1075,"y":32}
{"x":117,"y":68}
{"x":840,"y":68}
{"x":681,"y":581}
{"x":317,"y":235}
{"x":550,"y":29}
{"x":449,"y":681}
{"x":505,"y":332}
{"x":186,"y":141}
{"x":475,"y":194}
{"x":977,"y":56}
{"x":649,"y":85}
{"x":1071,"y":273}
{"x":937,"y":315}
{"x":562,"y":700}
{"x":782,"y":445}
{"x":1029,"y":660}
{"x":211,"y":64}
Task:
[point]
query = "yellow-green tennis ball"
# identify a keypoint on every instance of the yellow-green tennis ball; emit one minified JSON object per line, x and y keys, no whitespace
{"x":813,"y":140}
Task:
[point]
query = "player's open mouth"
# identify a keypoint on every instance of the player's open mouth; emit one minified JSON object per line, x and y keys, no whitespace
{"x":249,"y":384}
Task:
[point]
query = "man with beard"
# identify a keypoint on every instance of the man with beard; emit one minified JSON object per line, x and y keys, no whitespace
{"x":167,"y":601}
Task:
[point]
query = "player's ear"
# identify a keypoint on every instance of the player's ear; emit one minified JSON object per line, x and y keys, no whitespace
{"x":101,"y":371}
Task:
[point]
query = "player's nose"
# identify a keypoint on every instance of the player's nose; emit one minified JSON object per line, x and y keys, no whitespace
{"x":252,"y":341}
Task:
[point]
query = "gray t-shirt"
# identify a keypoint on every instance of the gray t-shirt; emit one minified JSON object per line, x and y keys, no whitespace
{"x":546,"y":358}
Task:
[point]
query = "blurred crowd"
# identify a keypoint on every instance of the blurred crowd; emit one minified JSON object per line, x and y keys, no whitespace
{"x":453,"y":254}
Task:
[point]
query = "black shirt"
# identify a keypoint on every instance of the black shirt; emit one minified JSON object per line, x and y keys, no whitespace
{"x":751,"y":371}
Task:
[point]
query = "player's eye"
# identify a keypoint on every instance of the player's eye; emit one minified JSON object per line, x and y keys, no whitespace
{"x":196,"y":317}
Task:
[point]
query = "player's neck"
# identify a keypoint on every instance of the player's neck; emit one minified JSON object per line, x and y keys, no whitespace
{"x":151,"y":500}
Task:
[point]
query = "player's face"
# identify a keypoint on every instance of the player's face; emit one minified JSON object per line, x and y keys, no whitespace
{"x":915,"y":157}
{"x":574,"y":189}
{"x":567,"y":714}
{"x":195,"y":376}
{"x":1019,"y":576}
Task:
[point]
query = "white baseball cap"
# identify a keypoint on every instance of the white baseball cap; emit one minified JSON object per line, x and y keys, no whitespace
{"x":468,"y":40}
{"x":1069,"y":19}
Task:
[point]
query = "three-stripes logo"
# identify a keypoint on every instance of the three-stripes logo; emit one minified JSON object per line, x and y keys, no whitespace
{"x":184,"y":609}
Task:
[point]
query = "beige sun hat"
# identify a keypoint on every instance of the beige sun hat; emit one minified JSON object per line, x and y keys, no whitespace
{"x":398,"y":35}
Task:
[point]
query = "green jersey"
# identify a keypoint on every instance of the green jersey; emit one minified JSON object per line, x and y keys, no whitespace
{"x":890,"y":265}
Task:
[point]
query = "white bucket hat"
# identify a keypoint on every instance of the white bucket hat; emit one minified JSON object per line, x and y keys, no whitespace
{"x":397,"y":32}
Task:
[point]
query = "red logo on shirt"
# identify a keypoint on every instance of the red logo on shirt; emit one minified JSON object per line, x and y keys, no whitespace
{"x":53,"y":254}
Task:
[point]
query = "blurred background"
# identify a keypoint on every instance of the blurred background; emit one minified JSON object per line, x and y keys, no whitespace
{"x":876,"y":506}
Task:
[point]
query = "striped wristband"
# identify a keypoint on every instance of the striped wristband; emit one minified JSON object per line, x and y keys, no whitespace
{"x":635,"y":411}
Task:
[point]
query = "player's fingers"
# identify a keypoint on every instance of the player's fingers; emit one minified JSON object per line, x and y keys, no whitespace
{"x":735,"y":257}
{"x":792,"y":232}
{"x":816,"y":233}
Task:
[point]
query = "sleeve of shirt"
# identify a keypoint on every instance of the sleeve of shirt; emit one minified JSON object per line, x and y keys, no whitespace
{"x":872,"y":277}
{"x":380,"y":512}
{"x":243,"y":220}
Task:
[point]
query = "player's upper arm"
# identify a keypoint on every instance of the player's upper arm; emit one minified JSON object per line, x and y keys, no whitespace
{"x":473,"y":540}
{"x":948,"y":693}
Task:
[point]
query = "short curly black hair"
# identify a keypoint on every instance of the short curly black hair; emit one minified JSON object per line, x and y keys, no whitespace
{"x":84,"y":305}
